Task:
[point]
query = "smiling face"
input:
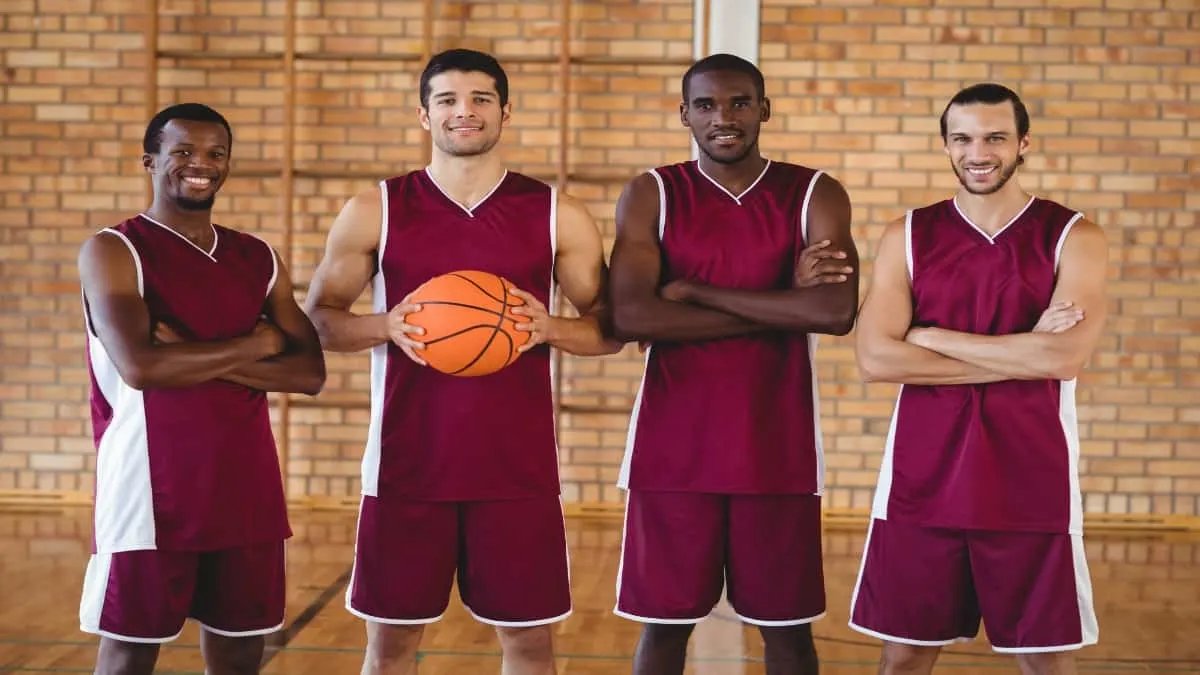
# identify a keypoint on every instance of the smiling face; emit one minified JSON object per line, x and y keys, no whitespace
{"x":983,"y":144}
{"x":191,"y":164}
{"x":464,"y":115}
{"x":724,"y":112}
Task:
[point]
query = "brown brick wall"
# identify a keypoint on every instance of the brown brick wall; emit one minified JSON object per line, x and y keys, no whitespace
{"x":1114,"y":95}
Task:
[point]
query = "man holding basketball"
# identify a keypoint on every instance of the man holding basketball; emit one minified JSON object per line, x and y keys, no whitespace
{"x":460,"y":474}
{"x":728,"y":266}
{"x":984,"y":308}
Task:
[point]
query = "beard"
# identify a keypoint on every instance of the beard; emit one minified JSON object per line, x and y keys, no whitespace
{"x":1005,"y":173}
{"x":727,"y":159}
{"x":189,"y":204}
{"x":450,"y":147}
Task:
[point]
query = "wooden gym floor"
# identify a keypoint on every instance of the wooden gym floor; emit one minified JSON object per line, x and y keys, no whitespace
{"x":1147,"y":589}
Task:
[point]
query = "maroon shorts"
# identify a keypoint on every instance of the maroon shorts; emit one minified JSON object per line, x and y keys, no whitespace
{"x":681,"y":548}
{"x":146,"y":596}
{"x":510,"y":558}
{"x":927,"y":586}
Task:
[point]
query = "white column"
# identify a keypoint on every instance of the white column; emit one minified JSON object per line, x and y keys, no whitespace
{"x":733,"y":28}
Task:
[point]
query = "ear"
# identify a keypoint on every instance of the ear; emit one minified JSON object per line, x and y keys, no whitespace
{"x":766,"y":110}
{"x":1023,"y":146}
{"x":423,"y":117}
{"x":148,"y":162}
{"x":505,"y":114}
{"x":683,"y":116}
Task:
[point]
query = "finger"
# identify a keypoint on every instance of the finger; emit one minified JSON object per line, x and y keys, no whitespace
{"x":818,"y":246}
{"x":406,"y":308}
{"x":409,"y":353}
{"x":403,"y":341}
{"x":832,"y":267}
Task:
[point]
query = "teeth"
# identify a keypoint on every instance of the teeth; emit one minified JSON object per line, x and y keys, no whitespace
{"x":203,"y":182}
{"x":981,"y":172}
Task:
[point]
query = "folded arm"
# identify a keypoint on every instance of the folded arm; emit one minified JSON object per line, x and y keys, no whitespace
{"x":827,"y":308}
{"x":121,"y":321}
{"x":300,"y":368}
{"x":1043,"y":355}
{"x":638,"y":310}
{"x":885,"y":319}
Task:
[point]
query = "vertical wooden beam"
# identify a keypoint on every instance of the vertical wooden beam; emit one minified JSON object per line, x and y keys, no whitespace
{"x":150,"y":45}
{"x":705,"y":7}
{"x":562,"y":176}
{"x":287,"y":191}
{"x":427,"y":48}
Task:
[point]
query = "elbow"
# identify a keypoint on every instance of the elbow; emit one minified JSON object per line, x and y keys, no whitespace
{"x":627,"y":323}
{"x":314,"y":380}
{"x":134,"y":376}
{"x":1065,"y":370}
{"x":842,"y":322}
{"x":871,"y":368}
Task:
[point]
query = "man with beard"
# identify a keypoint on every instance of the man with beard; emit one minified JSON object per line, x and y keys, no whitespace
{"x":189,"y":324}
{"x":460,"y":475}
{"x":984,"y":307}
{"x":727,"y":267}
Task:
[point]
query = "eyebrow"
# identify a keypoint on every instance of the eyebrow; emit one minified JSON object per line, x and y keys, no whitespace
{"x":477,"y":92}
{"x":710,"y":99}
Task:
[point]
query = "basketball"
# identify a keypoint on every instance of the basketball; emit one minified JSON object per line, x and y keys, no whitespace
{"x":468,"y":329}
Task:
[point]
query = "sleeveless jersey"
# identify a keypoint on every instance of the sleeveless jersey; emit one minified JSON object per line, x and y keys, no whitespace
{"x":998,"y":456}
{"x":736,"y":415}
{"x":438,"y":437}
{"x":187,"y":468}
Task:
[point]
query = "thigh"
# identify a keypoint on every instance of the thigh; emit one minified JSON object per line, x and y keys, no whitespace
{"x":405,"y":555}
{"x":241,"y":592}
{"x":513,"y":565}
{"x":915,"y":586}
{"x":1035,"y":591}
{"x":138,"y":596}
{"x":672,"y":557}
{"x":775,"y":571}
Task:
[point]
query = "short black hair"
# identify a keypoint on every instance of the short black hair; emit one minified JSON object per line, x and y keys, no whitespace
{"x":716,"y":62}
{"x":466,"y":61}
{"x":990,"y":93}
{"x":192,"y":112}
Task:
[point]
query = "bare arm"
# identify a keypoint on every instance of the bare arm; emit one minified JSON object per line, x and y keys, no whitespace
{"x":1043,"y":355}
{"x":638,"y":311}
{"x":824,"y":308}
{"x":885,"y":318}
{"x":301,"y":366}
{"x":581,"y":273}
{"x":348,"y":264}
{"x":121,"y":321}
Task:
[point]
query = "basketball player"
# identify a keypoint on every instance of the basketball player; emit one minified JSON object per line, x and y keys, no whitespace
{"x":978,"y":511}
{"x":713,"y":267}
{"x":189,"y":324}
{"x":460,"y":474}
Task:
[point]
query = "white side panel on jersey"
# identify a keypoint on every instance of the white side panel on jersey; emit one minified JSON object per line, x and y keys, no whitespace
{"x":124,"y":518}
{"x":554,"y":290}
{"x":883,"y":487}
{"x":1068,"y":414}
{"x":908,"y":248}
{"x":804,"y":207}
{"x":379,"y":358}
{"x":813,"y":339}
{"x":631,"y":433}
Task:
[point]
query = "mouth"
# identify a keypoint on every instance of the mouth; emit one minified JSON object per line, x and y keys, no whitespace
{"x":201,"y":182}
{"x":981,"y":171}
{"x":725,"y":138}
{"x":465,"y":131}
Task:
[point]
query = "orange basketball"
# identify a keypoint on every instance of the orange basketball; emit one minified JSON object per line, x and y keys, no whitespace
{"x":468,"y":328}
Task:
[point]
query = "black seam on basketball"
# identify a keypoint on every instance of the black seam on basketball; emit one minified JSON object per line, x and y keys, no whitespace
{"x":483,"y":290}
{"x":458,"y":332}
{"x":449,"y":303}
{"x":495,"y":330}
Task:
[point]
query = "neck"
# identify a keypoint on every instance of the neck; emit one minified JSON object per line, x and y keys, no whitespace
{"x":191,"y":224}
{"x":992,"y":212}
{"x":466,"y":179}
{"x":736,"y":177}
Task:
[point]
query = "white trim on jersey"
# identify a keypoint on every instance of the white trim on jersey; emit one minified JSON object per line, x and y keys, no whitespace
{"x":1062,"y":238}
{"x":553,"y":297}
{"x":883,"y":488}
{"x":274,"y":263}
{"x":211,"y":254}
{"x":813,"y":340}
{"x":137,"y":260}
{"x":662,"y":204}
{"x":808,"y":193}
{"x":471,"y":210}
{"x":992,"y":237}
{"x":735,"y":198}
{"x":379,"y":357}
{"x":908,"y":247}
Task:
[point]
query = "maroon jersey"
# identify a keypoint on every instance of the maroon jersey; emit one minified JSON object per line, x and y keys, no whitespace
{"x":999,"y":456}
{"x":187,"y":468}
{"x":733,"y":415}
{"x":438,"y":437}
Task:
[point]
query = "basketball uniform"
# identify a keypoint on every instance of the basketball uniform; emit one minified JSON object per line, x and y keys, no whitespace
{"x":190,"y":516}
{"x":977,"y":512}
{"x":460,"y":474}
{"x":724,"y":463}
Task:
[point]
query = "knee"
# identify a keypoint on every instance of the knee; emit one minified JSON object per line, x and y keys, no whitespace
{"x":794,"y":641}
{"x":667,"y":635}
{"x":1050,"y":663}
{"x":527,"y":644}
{"x":390,"y":646}
{"x":125,"y":658}
{"x":901,"y":658}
